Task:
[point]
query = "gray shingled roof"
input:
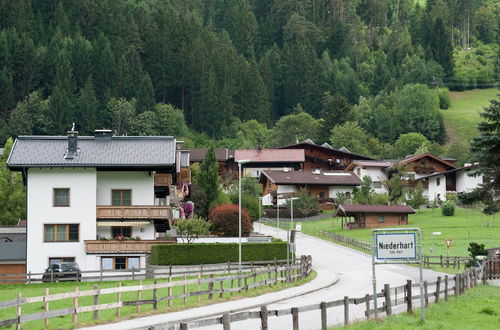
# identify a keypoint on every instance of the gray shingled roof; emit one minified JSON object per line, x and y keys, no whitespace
{"x":12,"y":251}
{"x":116,"y":151}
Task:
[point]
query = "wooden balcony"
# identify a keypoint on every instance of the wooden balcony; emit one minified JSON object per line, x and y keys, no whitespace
{"x":163,"y":179}
{"x":136,"y":212}
{"x":114,"y":246}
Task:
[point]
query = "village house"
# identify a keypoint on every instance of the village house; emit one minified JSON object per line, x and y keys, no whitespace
{"x":375,"y":169}
{"x":324,"y":157}
{"x":101,"y":201}
{"x":454,"y":181}
{"x":322,"y":185}
{"x":373,"y":216}
{"x":13,"y":249}
{"x":254,"y":161}
{"x":225,"y":159}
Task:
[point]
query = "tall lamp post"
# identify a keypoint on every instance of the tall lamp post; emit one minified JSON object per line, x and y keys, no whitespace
{"x":288,"y":238}
{"x":241,"y":162}
{"x":260,"y":213}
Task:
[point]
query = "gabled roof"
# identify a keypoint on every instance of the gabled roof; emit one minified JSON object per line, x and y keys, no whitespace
{"x":116,"y":151}
{"x":413,"y":158}
{"x":12,"y":251}
{"x":335,"y":178}
{"x":370,"y":163}
{"x":466,"y":168}
{"x":270,"y":155}
{"x":362,"y":208}
{"x":325,"y":149}
{"x":221,"y":154}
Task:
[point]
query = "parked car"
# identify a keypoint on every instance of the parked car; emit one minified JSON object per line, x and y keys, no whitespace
{"x":62,"y":271}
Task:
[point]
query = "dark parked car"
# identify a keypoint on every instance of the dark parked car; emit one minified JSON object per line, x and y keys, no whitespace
{"x":62,"y":271}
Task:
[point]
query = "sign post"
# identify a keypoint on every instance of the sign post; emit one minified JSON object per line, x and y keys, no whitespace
{"x":397,"y":246}
{"x":448,"y":245}
{"x":434,"y":233}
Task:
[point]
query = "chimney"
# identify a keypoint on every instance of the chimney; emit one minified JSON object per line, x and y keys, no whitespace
{"x":259,"y":149}
{"x":103,"y":133}
{"x":72,"y":143}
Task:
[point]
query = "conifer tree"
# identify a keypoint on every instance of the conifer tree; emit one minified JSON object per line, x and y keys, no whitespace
{"x":12,"y":191}
{"x":145,"y":95}
{"x":207,"y":182}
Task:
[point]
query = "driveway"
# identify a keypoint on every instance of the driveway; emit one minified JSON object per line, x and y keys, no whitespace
{"x":349,"y":269}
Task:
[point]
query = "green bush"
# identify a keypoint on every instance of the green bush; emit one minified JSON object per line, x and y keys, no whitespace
{"x":211,"y":253}
{"x":452,"y":197}
{"x":444,"y":98}
{"x":448,"y":209}
{"x":249,"y":202}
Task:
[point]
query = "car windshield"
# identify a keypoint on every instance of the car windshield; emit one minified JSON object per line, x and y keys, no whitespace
{"x":71,"y":266}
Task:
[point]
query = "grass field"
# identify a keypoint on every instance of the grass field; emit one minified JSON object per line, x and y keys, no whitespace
{"x":8,"y":292}
{"x":478,"y":308}
{"x":462,"y":117}
{"x":467,"y":225}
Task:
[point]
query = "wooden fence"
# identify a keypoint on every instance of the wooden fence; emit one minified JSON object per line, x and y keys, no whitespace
{"x":391,"y":297}
{"x":150,"y":272}
{"x":262,"y":277}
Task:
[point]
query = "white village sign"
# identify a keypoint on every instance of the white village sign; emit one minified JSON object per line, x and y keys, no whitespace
{"x":396,"y":246}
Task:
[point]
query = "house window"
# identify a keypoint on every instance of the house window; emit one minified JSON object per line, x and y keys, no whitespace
{"x":121,"y":231}
{"x":438,"y":181}
{"x":61,"y":259}
{"x":121,"y":197}
{"x":377,"y":184}
{"x":321,"y":194}
{"x":61,"y":233}
{"x":111,"y":263}
{"x":403,"y":218}
{"x":358,"y":172}
{"x":381,"y":219}
{"x":61,"y":197}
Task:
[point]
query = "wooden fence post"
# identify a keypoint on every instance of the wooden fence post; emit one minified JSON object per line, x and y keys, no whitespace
{"x":75,"y":306}
{"x":263,"y":318}
{"x":438,"y":288}
{"x":457,"y":284}
{"x":446,"y":287}
{"x":169,"y":291}
{"x":18,"y":311}
{"x":387,"y":295}
{"x":346,"y":310}
{"x":426,"y":294}
{"x":441,"y":260}
{"x":367,"y":304}
{"x":46,"y":305}
{"x":138,"y":307}
{"x":324,"y":325}
{"x":475,"y":276}
{"x":96,"y":302}
{"x":295,"y":318}
{"x":155,"y":296}
{"x":221,"y":284}
{"x":184,"y":326}
{"x":409,"y":302}
{"x":226,"y":321}
{"x":211,"y":287}
{"x":184,"y":290}
{"x":118,"y":300}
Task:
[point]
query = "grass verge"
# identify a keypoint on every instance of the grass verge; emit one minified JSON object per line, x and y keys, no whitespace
{"x":8,"y":292}
{"x":478,"y":308}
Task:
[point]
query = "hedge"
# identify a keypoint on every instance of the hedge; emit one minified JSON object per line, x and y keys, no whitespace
{"x":213,"y":253}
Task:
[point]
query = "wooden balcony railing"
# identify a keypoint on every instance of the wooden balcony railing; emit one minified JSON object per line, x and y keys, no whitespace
{"x":114,"y":246}
{"x":146,"y":212}
{"x":163,"y":179}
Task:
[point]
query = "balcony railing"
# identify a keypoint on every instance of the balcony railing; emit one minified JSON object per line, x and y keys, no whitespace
{"x":146,"y":212}
{"x":163,"y":179}
{"x":115,"y":246}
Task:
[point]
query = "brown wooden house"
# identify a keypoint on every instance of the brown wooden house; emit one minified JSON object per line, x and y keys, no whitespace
{"x":225,"y":158}
{"x":373,"y":216}
{"x":324,"y":157}
{"x":425,"y":164}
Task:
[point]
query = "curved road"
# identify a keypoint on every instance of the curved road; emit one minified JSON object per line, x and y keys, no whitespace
{"x":350,"y":269}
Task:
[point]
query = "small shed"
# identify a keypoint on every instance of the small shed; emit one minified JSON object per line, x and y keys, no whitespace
{"x":373,"y":216}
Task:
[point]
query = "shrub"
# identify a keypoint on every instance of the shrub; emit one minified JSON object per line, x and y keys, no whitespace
{"x":380,"y":199}
{"x":306,"y":204}
{"x":249,"y":202}
{"x":222,"y":198}
{"x":448,"y":209}
{"x":444,"y":98}
{"x":452,"y":197}
{"x":190,"y":229}
{"x":199,"y":253}
{"x":225,"y":220}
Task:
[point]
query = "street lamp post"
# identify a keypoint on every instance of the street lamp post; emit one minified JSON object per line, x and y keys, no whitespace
{"x":239,"y":212}
{"x":288,"y":239}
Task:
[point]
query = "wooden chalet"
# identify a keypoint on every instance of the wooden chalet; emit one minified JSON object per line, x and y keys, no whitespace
{"x":225,"y":157}
{"x":324,"y":157}
{"x":258,"y":160}
{"x":373,"y":216}
{"x":425,"y":164}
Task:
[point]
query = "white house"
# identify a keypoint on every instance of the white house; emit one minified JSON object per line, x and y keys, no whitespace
{"x":458,"y":180}
{"x":84,"y":191}
{"x":375,"y":169}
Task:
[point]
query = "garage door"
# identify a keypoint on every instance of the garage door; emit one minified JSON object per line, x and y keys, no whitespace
{"x":8,"y":269}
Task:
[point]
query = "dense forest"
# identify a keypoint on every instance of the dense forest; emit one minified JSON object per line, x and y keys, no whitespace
{"x":369,"y":75}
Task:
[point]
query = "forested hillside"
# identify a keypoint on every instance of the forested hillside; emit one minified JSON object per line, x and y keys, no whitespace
{"x":355,"y":73}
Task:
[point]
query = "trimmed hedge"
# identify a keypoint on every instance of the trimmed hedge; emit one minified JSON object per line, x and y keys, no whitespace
{"x":213,"y":253}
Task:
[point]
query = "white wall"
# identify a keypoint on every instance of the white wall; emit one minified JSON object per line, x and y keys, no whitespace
{"x":466,"y":183}
{"x":284,"y":189}
{"x":434,"y":190}
{"x":333,"y":190}
{"x":255,"y":171}
{"x":141,"y":184}
{"x":375,"y":173}
{"x":82,"y":210}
